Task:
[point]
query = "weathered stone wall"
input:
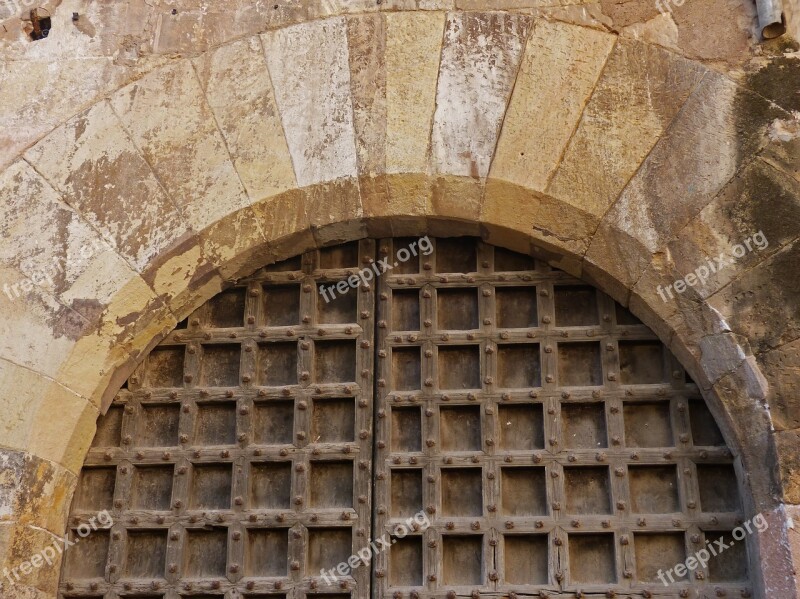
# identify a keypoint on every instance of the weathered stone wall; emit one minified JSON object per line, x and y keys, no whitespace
{"x":149,"y":155}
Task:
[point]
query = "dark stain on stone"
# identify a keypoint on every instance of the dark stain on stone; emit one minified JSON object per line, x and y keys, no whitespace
{"x":78,"y":320}
{"x":779,"y":81}
{"x":762,"y":198}
{"x":754,"y":114}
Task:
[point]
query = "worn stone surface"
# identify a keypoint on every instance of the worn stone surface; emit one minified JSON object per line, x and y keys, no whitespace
{"x":480,"y":58}
{"x":98,"y":170}
{"x":556,"y":78}
{"x":789,"y":448}
{"x":782,"y":369}
{"x":699,"y":154}
{"x":763,"y":303}
{"x":413,"y":47}
{"x":311,"y":76}
{"x":237,"y":85}
{"x":640,"y":92}
{"x":179,"y":138}
{"x":53,"y":246}
{"x":366,"y":37}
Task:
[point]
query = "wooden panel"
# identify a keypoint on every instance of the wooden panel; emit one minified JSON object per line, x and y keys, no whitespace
{"x":462,"y":561}
{"x":526,"y":559}
{"x":592,"y":558}
{"x":658,"y":553}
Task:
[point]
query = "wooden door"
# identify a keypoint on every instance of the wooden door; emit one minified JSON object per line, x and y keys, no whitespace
{"x":470,"y":422}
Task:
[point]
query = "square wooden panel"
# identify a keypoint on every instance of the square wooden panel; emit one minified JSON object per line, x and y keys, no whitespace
{"x":270,"y":485}
{"x":267,"y":552}
{"x":526,"y":559}
{"x":457,"y":309}
{"x":705,"y":431}
{"x":95,"y":490}
{"x":521,"y":427}
{"x":583,"y":425}
{"x":226,"y":310}
{"x":277,"y":364}
{"x":592,"y":559}
{"x":718,"y":488}
{"x":221,"y":365}
{"x":405,"y":310}
{"x":519,"y":366}
{"x":579,"y":364}
{"x":516,"y":307}
{"x":165,"y":367}
{"x":337,"y":308}
{"x":462,"y":492}
{"x":459,"y":367}
{"x":331,"y":484}
{"x":406,"y":429}
{"x":642,"y":363}
{"x":406,"y":563}
{"x":146,"y":554}
{"x":88,"y":559}
{"x":648,"y":425}
{"x":658,"y":552}
{"x":273,"y":422}
{"x":152,"y":488}
{"x":335,"y":362}
{"x":327,"y":547}
{"x":654,"y":489}
{"x":462,"y":560}
{"x":588,"y":490}
{"x":333,"y":420}
{"x":211,"y":487}
{"x":406,"y":492}
{"x":158,"y":425}
{"x":281,"y":305}
{"x":215,"y":423}
{"x":460,"y":428}
{"x":576,"y":306}
{"x":729,"y":565}
{"x":109,"y":428}
{"x":523,"y":491}
{"x":205,"y":553}
{"x":406,"y":369}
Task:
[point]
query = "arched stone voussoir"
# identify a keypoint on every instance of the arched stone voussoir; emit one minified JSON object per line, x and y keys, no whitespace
{"x":539,"y":219}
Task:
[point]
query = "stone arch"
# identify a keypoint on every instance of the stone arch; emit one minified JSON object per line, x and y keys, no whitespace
{"x":626,"y":199}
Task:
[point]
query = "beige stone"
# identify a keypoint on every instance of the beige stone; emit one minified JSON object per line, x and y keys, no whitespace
{"x":311,"y":77}
{"x":99,"y":171}
{"x":237,"y":85}
{"x":413,"y":47}
{"x":52,"y":245}
{"x":65,"y":427}
{"x":554,"y":223}
{"x":558,"y":73}
{"x":480,"y":57}
{"x":367,"y":52}
{"x":179,"y":137}
{"x":36,"y":331}
{"x":641,"y":90}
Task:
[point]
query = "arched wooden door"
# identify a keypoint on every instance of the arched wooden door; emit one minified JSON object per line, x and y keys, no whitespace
{"x":468,"y":423}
